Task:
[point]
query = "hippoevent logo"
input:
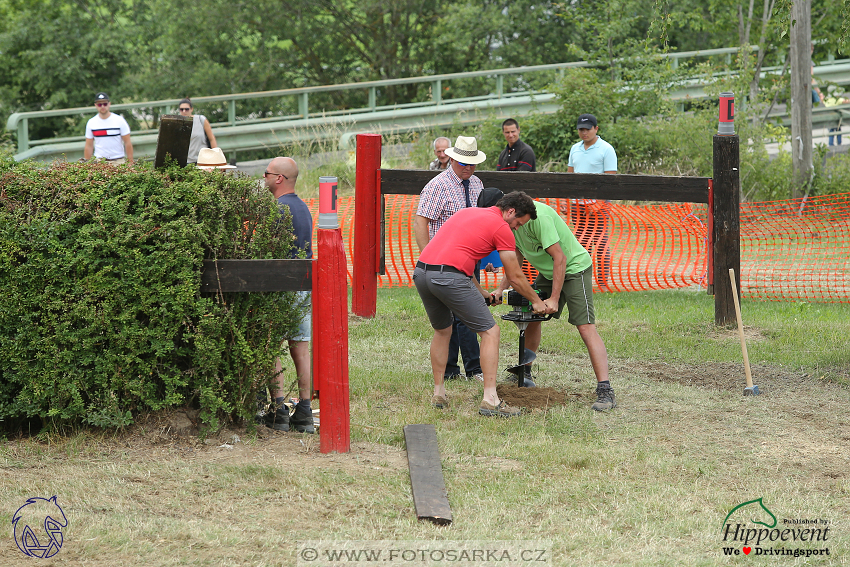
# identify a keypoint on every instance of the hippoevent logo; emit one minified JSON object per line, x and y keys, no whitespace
{"x":38,"y":527}
{"x":755,"y":530}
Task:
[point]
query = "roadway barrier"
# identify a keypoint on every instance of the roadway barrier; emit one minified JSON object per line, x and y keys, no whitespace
{"x":238,"y":126}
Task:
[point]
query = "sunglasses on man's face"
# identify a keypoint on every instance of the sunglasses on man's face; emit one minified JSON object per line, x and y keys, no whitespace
{"x":101,"y":104}
{"x":464,"y":164}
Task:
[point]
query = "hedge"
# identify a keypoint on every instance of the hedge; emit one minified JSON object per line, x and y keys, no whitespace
{"x":102,"y":315}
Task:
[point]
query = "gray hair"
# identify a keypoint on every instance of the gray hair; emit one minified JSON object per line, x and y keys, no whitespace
{"x":434,"y":143}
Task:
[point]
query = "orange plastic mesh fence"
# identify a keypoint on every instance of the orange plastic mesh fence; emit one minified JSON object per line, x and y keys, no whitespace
{"x":797,"y":249}
{"x":790,"y":250}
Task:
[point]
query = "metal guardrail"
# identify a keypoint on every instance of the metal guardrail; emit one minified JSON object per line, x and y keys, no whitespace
{"x":244,"y":133}
{"x":341,"y":128}
{"x":19,"y":121}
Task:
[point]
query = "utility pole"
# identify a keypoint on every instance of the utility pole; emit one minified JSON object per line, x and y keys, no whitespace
{"x":801,"y":95}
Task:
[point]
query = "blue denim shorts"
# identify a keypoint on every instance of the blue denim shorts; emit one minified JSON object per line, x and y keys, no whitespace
{"x":304,"y":333}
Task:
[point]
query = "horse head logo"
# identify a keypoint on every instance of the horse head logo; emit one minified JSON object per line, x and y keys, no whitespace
{"x":754,"y":510}
{"x":38,"y":527}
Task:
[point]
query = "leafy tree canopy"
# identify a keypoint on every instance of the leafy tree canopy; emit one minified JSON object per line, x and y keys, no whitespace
{"x":58,"y":53}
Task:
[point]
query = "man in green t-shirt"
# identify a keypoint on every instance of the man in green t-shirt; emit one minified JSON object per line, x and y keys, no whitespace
{"x":566,"y":273}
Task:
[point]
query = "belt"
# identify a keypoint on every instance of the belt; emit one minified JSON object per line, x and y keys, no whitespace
{"x":439,"y":268}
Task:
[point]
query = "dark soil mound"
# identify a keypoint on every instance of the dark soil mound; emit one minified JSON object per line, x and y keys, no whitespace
{"x":533,"y":398}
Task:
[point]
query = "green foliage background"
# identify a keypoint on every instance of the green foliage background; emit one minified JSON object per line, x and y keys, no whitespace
{"x":102,"y":313}
{"x":650,"y":135}
{"x":59,"y":53}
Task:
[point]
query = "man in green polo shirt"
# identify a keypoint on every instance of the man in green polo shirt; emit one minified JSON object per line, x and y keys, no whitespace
{"x":566,"y":274}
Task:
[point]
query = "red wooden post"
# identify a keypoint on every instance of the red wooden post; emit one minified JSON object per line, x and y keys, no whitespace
{"x":314,"y":328}
{"x":330,"y":325}
{"x":364,"y":292}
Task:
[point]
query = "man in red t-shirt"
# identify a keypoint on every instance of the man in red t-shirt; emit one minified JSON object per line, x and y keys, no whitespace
{"x":443,"y":278}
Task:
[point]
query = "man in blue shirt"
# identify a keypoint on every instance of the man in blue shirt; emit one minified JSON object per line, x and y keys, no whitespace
{"x":280,"y":177}
{"x":590,"y":217}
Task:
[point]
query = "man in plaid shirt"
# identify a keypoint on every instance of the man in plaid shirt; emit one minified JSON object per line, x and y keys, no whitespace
{"x":443,"y":196}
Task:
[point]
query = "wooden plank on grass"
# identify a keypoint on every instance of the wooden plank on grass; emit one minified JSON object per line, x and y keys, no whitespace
{"x":542,"y":185}
{"x":426,"y":474}
{"x":256,"y":275}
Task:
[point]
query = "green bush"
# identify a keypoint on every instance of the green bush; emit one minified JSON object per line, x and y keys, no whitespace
{"x":102,"y":314}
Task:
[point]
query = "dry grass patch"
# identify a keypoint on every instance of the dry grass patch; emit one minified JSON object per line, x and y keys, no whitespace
{"x":647,"y":484}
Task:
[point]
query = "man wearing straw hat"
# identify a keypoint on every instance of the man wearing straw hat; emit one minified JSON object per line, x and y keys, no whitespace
{"x":454,"y":189}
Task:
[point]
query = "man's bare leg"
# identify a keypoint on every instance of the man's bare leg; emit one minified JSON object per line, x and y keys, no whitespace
{"x":597,"y":351}
{"x":439,"y":356}
{"x":490,"y":363}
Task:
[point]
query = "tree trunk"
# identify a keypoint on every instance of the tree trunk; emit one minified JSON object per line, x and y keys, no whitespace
{"x":801,"y":95}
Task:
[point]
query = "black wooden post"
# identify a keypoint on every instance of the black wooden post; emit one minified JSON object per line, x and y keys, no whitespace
{"x":173,"y":139}
{"x":726,"y":213}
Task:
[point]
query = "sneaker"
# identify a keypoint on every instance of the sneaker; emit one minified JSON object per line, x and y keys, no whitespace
{"x":477,"y":376}
{"x":279,"y":419}
{"x":604,"y":399}
{"x":501,"y":410}
{"x":302,"y":420}
{"x":440,"y":402}
{"x":262,"y":410}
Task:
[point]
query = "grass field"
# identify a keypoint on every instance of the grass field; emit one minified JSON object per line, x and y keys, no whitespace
{"x":649,"y":483}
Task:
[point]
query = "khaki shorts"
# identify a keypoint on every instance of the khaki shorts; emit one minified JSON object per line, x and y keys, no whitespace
{"x":576,"y":294}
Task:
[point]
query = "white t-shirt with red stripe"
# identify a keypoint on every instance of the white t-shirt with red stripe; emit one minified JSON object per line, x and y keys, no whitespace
{"x":107,"y":135}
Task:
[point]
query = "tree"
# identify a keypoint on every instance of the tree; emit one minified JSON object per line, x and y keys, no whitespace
{"x":801,"y":95}
{"x":59,"y":54}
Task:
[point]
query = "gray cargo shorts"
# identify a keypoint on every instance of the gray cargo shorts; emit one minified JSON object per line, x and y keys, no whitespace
{"x":447,"y":293}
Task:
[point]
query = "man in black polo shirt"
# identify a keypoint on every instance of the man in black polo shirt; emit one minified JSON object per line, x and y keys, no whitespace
{"x":517,"y":156}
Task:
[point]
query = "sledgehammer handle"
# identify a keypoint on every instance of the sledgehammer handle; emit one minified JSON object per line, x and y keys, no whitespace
{"x":741,"y":328}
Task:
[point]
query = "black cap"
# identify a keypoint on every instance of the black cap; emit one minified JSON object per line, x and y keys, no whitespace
{"x":489,"y":197}
{"x":101,"y":96}
{"x":587,"y":121}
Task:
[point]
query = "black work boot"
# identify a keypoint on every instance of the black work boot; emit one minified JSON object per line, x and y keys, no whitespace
{"x":279,"y":418}
{"x":302,"y":419}
{"x":604,"y":398}
{"x":262,"y":409}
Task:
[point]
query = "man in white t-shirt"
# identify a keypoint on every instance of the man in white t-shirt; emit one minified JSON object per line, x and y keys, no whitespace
{"x":108,"y":134}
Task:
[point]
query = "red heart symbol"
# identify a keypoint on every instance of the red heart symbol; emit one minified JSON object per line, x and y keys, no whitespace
{"x":747,"y":550}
